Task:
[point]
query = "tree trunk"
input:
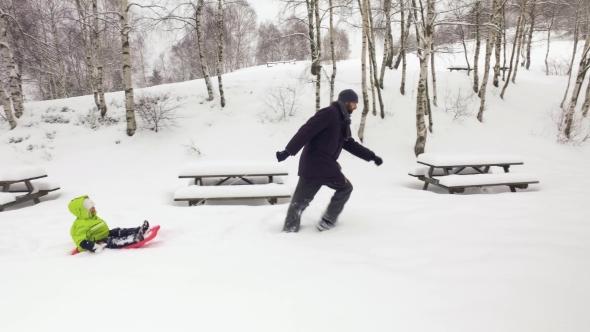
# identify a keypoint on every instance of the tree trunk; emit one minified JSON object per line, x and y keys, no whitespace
{"x":531,"y":29}
{"x":576,"y":39}
{"x":519,"y":48}
{"x":310,"y":19}
{"x":373,"y":84}
{"x":504,"y":41}
{"x":433,"y":72}
{"x":465,"y":49}
{"x":332,"y":50}
{"x":425,"y":42}
{"x":12,"y":71}
{"x":549,"y":28}
{"x":221,"y":41}
{"x":388,"y":47}
{"x":492,"y":33}
{"x":498,"y":48}
{"x":514,"y":47}
{"x":102,"y":106}
{"x":60,"y":63}
{"x":318,"y":79}
{"x":477,"y":46}
{"x":373,"y":58}
{"x":586,"y":105}
{"x":90,"y":89}
{"x":584,"y":66}
{"x":129,"y":103}
{"x":7,"y":107}
{"x":365,"y":27}
{"x":201,"y":42}
{"x":405,"y":33}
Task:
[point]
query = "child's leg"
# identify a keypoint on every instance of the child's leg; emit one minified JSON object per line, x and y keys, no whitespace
{"x":115,"y":242}
{"x":120,"y":232}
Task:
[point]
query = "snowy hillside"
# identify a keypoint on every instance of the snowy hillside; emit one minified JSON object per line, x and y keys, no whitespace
{"x":401,"y":259}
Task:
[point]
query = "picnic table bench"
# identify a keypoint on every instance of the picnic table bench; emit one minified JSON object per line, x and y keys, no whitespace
{"x":470,"y":69}
{"x":455,"y":172}
{"x":245,"y":186}
{"x":270,"y":63}
{"x":22,"y":184}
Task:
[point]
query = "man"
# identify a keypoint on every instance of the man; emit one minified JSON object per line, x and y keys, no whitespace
{"x":324,"y":136}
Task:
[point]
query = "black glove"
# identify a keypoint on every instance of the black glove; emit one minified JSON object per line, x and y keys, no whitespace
{"x":378,"y":161}
{"x":282,"y":155}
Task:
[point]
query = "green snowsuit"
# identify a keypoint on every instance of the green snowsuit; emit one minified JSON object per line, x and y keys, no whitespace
{"x":87,"y":226}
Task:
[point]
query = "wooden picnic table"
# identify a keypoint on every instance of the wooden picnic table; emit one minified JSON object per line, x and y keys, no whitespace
{"x":245,"y":172}
{"x":24,"y":186}
{"x":473,"y":172}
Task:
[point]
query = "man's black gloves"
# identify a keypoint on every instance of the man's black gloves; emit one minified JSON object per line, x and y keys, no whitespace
{"x":282,"y":155}
{"x":378,"y":161}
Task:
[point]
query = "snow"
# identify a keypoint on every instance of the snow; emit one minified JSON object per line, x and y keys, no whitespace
{"x":400,"y":259}
{"x":21,"y":173}
{"x":484,"y":179}
{"x":259,"y":190}
{"x":459,"y":159}
{"x":6,"y":198}
{"x":231,"y":167}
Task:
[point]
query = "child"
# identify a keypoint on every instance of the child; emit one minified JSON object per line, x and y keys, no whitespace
{"x":88,"y":229}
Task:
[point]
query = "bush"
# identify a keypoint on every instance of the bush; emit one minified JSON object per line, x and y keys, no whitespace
{"x":282,"y":102}
{"x":157,"y":111}
{"x":93,"y":120}
{"x":55,"y":118}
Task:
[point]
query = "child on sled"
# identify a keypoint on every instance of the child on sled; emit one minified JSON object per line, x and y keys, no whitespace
{"x":91,"y":233}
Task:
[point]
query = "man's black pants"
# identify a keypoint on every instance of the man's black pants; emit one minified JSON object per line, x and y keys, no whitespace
{"x":304,"y":194}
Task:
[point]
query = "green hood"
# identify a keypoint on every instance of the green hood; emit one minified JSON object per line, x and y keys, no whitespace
{"x":77,"y":209}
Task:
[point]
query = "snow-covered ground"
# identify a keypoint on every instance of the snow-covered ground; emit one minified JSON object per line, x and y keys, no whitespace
{"x":401,"y":259}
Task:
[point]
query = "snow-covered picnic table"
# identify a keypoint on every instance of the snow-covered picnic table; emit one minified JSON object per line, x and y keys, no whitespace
{"x":455,"y":172}
{"x":243,"y":187}
{"x":21,"y":184}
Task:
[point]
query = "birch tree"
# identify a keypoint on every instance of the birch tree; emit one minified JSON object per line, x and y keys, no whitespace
{"x":365,"y":28}
{"x":220,"y":59}
{"x":98,"y":60}
{"x":11,"y":68}
{"x":129,"y":103}
{"x":7,"y":106}
{"x":493,"y":33}
{"x":582,"y":69}
{"x":332,"y":51}
{"x":477,"y":46}
{"x":512,"y":65}
{"x":425,"y":31}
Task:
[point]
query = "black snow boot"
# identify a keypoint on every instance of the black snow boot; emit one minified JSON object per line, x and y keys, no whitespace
{"x":325,"y":224}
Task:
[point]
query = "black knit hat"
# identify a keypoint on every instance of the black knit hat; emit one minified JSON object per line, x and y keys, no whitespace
{"x":348,"y":96}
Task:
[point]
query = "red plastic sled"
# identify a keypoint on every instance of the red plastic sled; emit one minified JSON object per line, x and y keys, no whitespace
{"x":151,"y":233}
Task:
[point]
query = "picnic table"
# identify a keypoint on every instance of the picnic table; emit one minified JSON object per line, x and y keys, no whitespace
{"x":455,"y":172}
{"x":270,"y":63}
{"x":212,"y":181}
{"x":470,"y":69}
{"x":22,"y":184}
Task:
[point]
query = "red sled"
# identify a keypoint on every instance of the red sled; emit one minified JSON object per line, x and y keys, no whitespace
{"x":151,"y":233}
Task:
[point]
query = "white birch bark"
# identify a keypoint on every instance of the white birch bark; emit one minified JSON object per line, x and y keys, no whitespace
{"x":99,"y":62}
{"x":366,"y":106}
{"x":512,"y":65}
{"x":220,"y":55}
{"x":586,"y":105}
{"x":388,"y":47}
{"x":129,"y":103}
{"x":7,"y":107}
{"x":318,"y":79}
{"x":332,"y":50}
{"x":531,"y":30}
{"x":477,"y":46}
{"x":87,"y":50}
{"x":425,"y":42}
{"x":201,"y":42}
{"x":576,"y":39}
{"x":582,"y":69}
{"x":492,"y":33}
{"x":373,"y":58}
{"x":14,"y":81}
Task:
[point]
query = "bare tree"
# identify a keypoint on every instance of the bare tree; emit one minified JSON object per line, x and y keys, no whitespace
{"x":7,"y":106}
{"x":200,"y":38}
{"x":99,"y":61}
{"x":517,"y":34}
{"x":332,"y":51}
{"x":576,"y":39}
{"x":129,"y":103}
{"x":582,"y":69}
{"x":365,"y":28}
{"x":12,"y":69}
{"x":220,"y":59}
{"x":477,"y":46}
{"x":493,"y":33}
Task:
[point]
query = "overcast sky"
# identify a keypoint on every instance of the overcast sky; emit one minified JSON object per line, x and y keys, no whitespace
{"x":266,"y":9}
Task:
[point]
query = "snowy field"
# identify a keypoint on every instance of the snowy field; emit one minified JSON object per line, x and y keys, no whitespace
{"x":401,"y":259}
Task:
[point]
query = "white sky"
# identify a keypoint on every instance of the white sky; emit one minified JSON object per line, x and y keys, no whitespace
{"x":266,"y":9}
